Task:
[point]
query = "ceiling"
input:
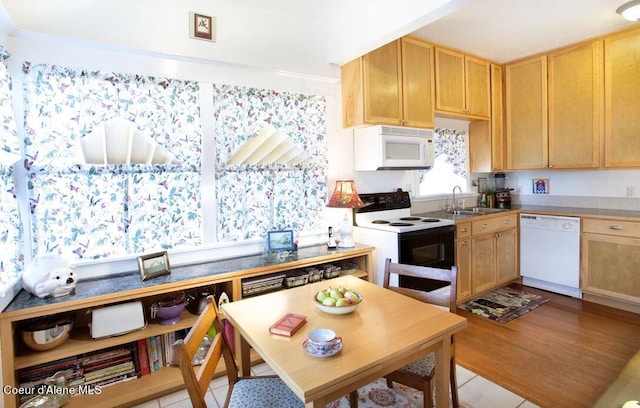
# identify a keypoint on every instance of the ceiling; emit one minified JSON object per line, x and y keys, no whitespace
{"x":505,"y":30}
{"x":499,"y":30}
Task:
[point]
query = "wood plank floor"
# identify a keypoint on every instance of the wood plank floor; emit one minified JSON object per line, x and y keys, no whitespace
{"x":565,"y":353}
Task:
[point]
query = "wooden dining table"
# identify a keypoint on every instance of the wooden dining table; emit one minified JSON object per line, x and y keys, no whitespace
{"x":385,"y":332}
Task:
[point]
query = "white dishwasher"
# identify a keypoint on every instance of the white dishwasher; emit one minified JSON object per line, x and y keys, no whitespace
{"x":550,"y":253}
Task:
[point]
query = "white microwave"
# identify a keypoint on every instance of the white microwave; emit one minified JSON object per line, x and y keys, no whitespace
{"x":392,"y":148}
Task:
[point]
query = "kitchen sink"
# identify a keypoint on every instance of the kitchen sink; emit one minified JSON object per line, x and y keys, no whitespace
{"x":476,"y":211}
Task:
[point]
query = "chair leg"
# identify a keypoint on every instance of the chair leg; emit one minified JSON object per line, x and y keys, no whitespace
{"x":353,"y":399}
{"x":454,"y":385}
{"x":427,"y":393}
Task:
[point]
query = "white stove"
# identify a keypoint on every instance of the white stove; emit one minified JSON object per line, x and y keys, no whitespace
{"x":386,"y":223}
{"x":398,"y":221}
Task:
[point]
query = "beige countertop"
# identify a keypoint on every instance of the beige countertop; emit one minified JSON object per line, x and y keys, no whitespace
{"x":631,"y":215}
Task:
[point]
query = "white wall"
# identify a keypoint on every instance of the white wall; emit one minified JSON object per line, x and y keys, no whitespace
{"x":580,"y":188}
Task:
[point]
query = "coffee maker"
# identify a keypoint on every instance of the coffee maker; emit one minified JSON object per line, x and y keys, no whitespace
{"x":503,"y":193}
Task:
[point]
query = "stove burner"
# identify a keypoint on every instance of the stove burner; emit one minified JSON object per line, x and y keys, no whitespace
{"x":400,"y":224}
{"x":431,"y":220}
{"x":410,"y":219}
{"x":379,"y":222}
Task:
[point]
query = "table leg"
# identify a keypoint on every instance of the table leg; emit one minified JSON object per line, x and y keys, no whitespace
{"x":245,"y":358}
{"x":443,"y":357}
{"x":319,"y":403}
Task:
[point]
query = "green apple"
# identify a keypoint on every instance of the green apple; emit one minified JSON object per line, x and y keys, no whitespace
{"x":322,"y":295}
{"x":342,"y":302}
{"x":329,"y":301}
{"x":335,"y":294}
{"x":351,"y":297}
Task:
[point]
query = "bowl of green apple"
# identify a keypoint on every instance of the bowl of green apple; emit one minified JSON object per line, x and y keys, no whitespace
{"x":338,"y":300}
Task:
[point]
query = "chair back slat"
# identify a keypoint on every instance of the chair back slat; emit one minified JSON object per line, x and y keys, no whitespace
{"x":439,"y":298}
{"x":197,"y":378}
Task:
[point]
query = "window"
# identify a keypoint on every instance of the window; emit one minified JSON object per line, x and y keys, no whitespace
{"x":94,"y":211}
{"x":451,"y":166}
{"x":253,"y":199}
{"x":11,"y":257}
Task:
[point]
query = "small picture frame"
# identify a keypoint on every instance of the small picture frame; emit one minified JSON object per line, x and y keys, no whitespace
{"x":280,"y":241}
{"x":154,"y":265}
{"x":202,"y":27}
{"x":540,"y":186}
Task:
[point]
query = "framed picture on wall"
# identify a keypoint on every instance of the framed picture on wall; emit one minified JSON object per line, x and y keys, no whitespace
{"x":202,"y":27}
{"x":540,"y":186}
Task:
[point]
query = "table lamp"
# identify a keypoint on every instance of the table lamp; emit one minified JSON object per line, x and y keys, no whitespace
{"x":345,"y":195}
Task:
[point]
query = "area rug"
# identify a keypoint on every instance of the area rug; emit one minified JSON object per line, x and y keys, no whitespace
{"x":376,"y":394}
{"x":504,"y":304}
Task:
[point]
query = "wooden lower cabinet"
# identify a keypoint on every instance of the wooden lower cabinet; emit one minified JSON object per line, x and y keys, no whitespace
{"x":488,"y":258}
{"x":24,"y":309}
{"x":610,"y":260}
{"x":463,"y":262}
{"x":507,"y":256}
{"x":483,"y":263}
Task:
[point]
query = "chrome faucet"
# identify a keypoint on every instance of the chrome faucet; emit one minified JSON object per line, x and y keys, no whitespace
{"x":453,"y":198}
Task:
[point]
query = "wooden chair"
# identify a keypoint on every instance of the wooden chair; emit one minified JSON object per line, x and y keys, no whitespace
{"x":419,"y":374}
{"x":250,"y":392}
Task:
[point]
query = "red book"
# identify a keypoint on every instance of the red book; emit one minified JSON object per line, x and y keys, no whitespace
{"x":288,"y":324}
{"x":143,"y":353}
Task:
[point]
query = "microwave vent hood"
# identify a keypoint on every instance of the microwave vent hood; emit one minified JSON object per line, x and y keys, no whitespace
{"x":392,"y":148}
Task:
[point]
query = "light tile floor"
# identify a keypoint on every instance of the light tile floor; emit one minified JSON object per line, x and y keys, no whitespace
{"x":473,"y":390}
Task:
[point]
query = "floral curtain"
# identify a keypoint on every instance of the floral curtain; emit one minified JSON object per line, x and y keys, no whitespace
{"x":253,"y":199}
{"x":450,"y":167}
{"x":11,"y":258}
{"x":91,"y":211}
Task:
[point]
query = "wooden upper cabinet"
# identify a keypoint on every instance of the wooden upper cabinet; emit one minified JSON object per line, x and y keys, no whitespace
{"x":486,"y":138}
{"x":526,"y":114}
{"x":383,"y":85}
{"x":417,"y":83}
{"x":622,"y":99}
{"x":449,"y":81}
{"x":462,"y":84}
{"x":575,"y":106}
{"x":477,"y":86}
{"x":497,"y":119}
{"x":391,"y":85}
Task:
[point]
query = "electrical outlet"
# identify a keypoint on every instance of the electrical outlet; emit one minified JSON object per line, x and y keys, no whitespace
{"x":630,"y":191}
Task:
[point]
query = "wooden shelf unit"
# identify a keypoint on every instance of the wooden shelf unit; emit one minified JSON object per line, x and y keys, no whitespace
{"x":228,"y":273}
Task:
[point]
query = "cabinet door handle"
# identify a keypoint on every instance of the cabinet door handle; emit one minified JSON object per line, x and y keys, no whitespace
{"x":498,"y":235}
{"x":464,"y":243}
{"x":463,"y":230}
{"x":507,"y":221}
{"x":484,"y":225}
{"x":616,"y":227}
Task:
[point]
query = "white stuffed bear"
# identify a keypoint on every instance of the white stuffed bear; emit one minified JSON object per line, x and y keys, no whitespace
{"x":49,"y":276}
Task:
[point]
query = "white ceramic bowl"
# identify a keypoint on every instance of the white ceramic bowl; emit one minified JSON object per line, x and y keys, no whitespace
{"x":339,"y":309}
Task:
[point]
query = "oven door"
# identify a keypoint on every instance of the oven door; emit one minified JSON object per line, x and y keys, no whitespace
{"x":432,"y":247}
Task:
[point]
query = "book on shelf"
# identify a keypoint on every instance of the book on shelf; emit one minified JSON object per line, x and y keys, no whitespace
{"x":117,"y":380}
{"x":107,"y":363}
{"x":49,"y":367}
{"x":288,"y":324}
{"x":108,"y":371}
{"x":105,"y":354}
{"x":143,"y":356}
{"x":154,"y":357}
